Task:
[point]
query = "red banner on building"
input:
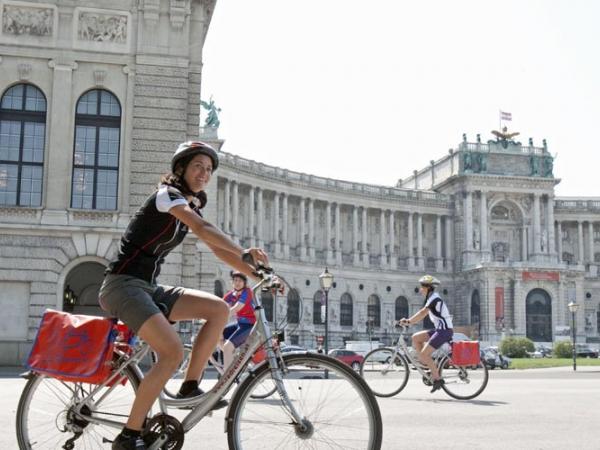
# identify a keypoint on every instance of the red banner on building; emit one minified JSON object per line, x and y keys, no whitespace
{"x":499,"y":305}
{"x":541,"y":276}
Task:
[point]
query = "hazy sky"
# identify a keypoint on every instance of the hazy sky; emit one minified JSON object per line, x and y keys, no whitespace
{"x":370,"y":91}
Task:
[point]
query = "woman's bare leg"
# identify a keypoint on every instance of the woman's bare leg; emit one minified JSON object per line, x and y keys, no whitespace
{"x":201,"y":305}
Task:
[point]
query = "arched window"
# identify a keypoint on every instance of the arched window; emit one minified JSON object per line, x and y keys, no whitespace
{"x":476,"y":311}
{"x":374,"y":311}
{"x":81,"y":289}
{"x":96,"y":152}
{"x":22,"y":141}
{"x":401,"y":309}
{"x":318,"y":301}
{"x":267,"y":301}
{"x":538,"y":313}
{"x":219,"y":291}
{"x":346,"y":310}
{"x":293,"y":306}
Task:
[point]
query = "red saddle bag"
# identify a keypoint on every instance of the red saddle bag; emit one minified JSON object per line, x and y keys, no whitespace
{"x":74,"y":347}
{"x":465,"y":353}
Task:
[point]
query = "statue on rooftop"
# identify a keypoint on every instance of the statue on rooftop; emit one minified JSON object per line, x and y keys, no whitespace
{"x":212,"y":118}
{"x":504,"y":137}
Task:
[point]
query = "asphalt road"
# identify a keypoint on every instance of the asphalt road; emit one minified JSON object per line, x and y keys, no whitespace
{"x":529,"y":409}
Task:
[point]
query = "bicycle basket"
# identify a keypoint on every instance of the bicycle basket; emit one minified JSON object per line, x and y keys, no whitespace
{"x":73,"y":347}
{"x":465,"y":353}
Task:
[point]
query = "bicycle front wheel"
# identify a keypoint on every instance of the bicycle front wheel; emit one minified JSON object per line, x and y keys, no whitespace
{"x":385,"y":371}
{"x":337,"y":408}
{"x":463,"y":382}
{"x":45,"y":417}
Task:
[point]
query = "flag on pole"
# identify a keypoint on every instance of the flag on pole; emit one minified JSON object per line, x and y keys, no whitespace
{"x":505,"y":116}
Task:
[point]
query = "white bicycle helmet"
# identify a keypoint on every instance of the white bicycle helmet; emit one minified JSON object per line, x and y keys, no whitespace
{"x":194,"y":148}
{"x":429,"y":280}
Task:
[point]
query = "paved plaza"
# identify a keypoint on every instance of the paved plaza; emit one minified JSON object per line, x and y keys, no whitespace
{"x":530,"y":409}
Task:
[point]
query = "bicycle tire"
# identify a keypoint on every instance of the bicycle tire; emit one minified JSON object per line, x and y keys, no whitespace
{"x":385,"y":377}
{"x":326,"y":392}
{"x":463,"y":382}
{"x":45,"y":404}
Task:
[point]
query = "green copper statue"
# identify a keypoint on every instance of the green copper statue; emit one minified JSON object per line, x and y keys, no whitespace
{"x":212,"y":119}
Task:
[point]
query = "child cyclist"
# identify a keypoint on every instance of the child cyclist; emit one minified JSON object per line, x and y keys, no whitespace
{"x":130,"y":290}
{"x":427,"y":341}
{"x":241,"y":305}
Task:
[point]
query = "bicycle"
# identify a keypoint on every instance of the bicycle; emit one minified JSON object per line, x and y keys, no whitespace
{"x":386,"y":371}
{"x":319,"y":401}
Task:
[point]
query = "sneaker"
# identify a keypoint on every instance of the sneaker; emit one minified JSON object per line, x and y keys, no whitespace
{"x":222,"y":403}
{"x":128,"y":443}
{"x":437,"y":384}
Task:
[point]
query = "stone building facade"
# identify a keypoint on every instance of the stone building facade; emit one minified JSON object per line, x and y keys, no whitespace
{"x":93,"y":102}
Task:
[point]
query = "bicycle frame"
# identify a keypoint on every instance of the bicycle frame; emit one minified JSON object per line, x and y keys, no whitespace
{"x":259,"y":335}
{"x":401,"y":350}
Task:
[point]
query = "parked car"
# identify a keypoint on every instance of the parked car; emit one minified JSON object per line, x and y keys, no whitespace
{"x":292,"y":349}
{"x":585,"y":351}
{"x":349,"y":357}
{"x":541,"y":351}
{"x":492,"y":358}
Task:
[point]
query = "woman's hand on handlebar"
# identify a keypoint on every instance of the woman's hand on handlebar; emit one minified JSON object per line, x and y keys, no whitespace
{"x":255,"y":257}
{"x":403,"y":322}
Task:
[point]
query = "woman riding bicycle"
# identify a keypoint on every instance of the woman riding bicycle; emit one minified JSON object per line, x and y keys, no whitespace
{"x":427,"y":341}
{"x":241,"y":304}
{"x":131,"y":293}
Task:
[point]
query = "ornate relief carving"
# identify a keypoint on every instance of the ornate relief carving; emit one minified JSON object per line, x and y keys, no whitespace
{"x":18,"y":20}
{"x":99,"y":27}
{"x":24,"y":70}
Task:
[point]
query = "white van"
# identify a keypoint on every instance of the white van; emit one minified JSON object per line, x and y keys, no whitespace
{"x":363,"y":347}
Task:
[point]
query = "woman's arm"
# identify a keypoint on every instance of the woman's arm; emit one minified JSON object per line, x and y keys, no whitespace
{"x":417,"y":317}
{"x":220,"y":244}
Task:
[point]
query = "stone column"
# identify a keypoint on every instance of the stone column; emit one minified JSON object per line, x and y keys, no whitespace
{"x":420,"y":261}
{"x":392,"y":243}
{"x":484,"y":227}
{"x":449,"y":246}
{"x":311,"y":229}
{"x":411,"y":256}
{"x":439,"y":262}
{"x":550,"y":225}
{"x":227,"y":207}
{"x":235,"y":207}
{"x":468,"y":222}
{"x":355,"y":249}
{"x":260,"y":214}
{"x":580,"y":256}
{"x":536,"y":225}
{"x":338,"y":234}
{"x":591,"y":242}
{"x":524,"y":243}
{"x":251,"y":217}
{"x":59,"y":153}
{"x":328,"y":233}
{"x":276,"y":225}
{"x":303,"y":254}
{"x":365,"y":251}
{"x":559,"y":241}
{"x":382,"y":253}
{"x":284,"y":226}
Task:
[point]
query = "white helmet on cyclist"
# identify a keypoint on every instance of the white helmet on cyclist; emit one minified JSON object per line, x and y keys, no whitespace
{"x":429,"y":280}
{"x":191,"y":148}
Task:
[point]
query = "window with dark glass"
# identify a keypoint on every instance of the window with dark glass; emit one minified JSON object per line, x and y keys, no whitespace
{"x":96,"y":151}
{"x":293,"y":310}
{"x":401,"y":310}
{"x":318,"y":301}
{"x":374,"y":311}
{"x":22,"y":141}
{"x":346,"y":310}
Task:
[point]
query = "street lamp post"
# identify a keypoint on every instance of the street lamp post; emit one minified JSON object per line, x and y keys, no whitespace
{"x":573,"y":307}
{"x":326,"y":281}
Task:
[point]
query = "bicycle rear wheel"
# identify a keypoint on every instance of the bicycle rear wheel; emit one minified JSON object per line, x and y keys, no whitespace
{"x":385,"y":372}
{"x":337,"y":407}
{"x":463,"y":382}
{"x":45,"y":418}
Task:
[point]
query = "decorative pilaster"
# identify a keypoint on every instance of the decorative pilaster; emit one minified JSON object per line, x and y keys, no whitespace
{"x":449,"y":241}
{"x":550,"y":226}
{"x":485,"y":246}
{"x":284,"y":226}
{"x":559,"y":241}
{"x":235,"y":211}
{"x":580,"y":256}
{"x":338,"y":235}
{"x":227,"y":207}
{"x":251,"y":217}
{"x":365,"y":247}
{"x":329,"y":252}
{"x":411,"y":255}
{"x":439,"y":262}
{"x":355,"y":249}
{"x":303,"y":253}
{"x":276,"y":226}
{"x":311,"y":229}
{"x":420,"y":261}
{"x":382,"y":253}
{"x":260,"y":218}
{"x":537,"y":238}
{"x":591,"y":242}
{"x":392,"y":243}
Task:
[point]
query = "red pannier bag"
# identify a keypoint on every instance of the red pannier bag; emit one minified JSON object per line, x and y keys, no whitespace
{"x":465,"y":353}
{"x":74,"y":347}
